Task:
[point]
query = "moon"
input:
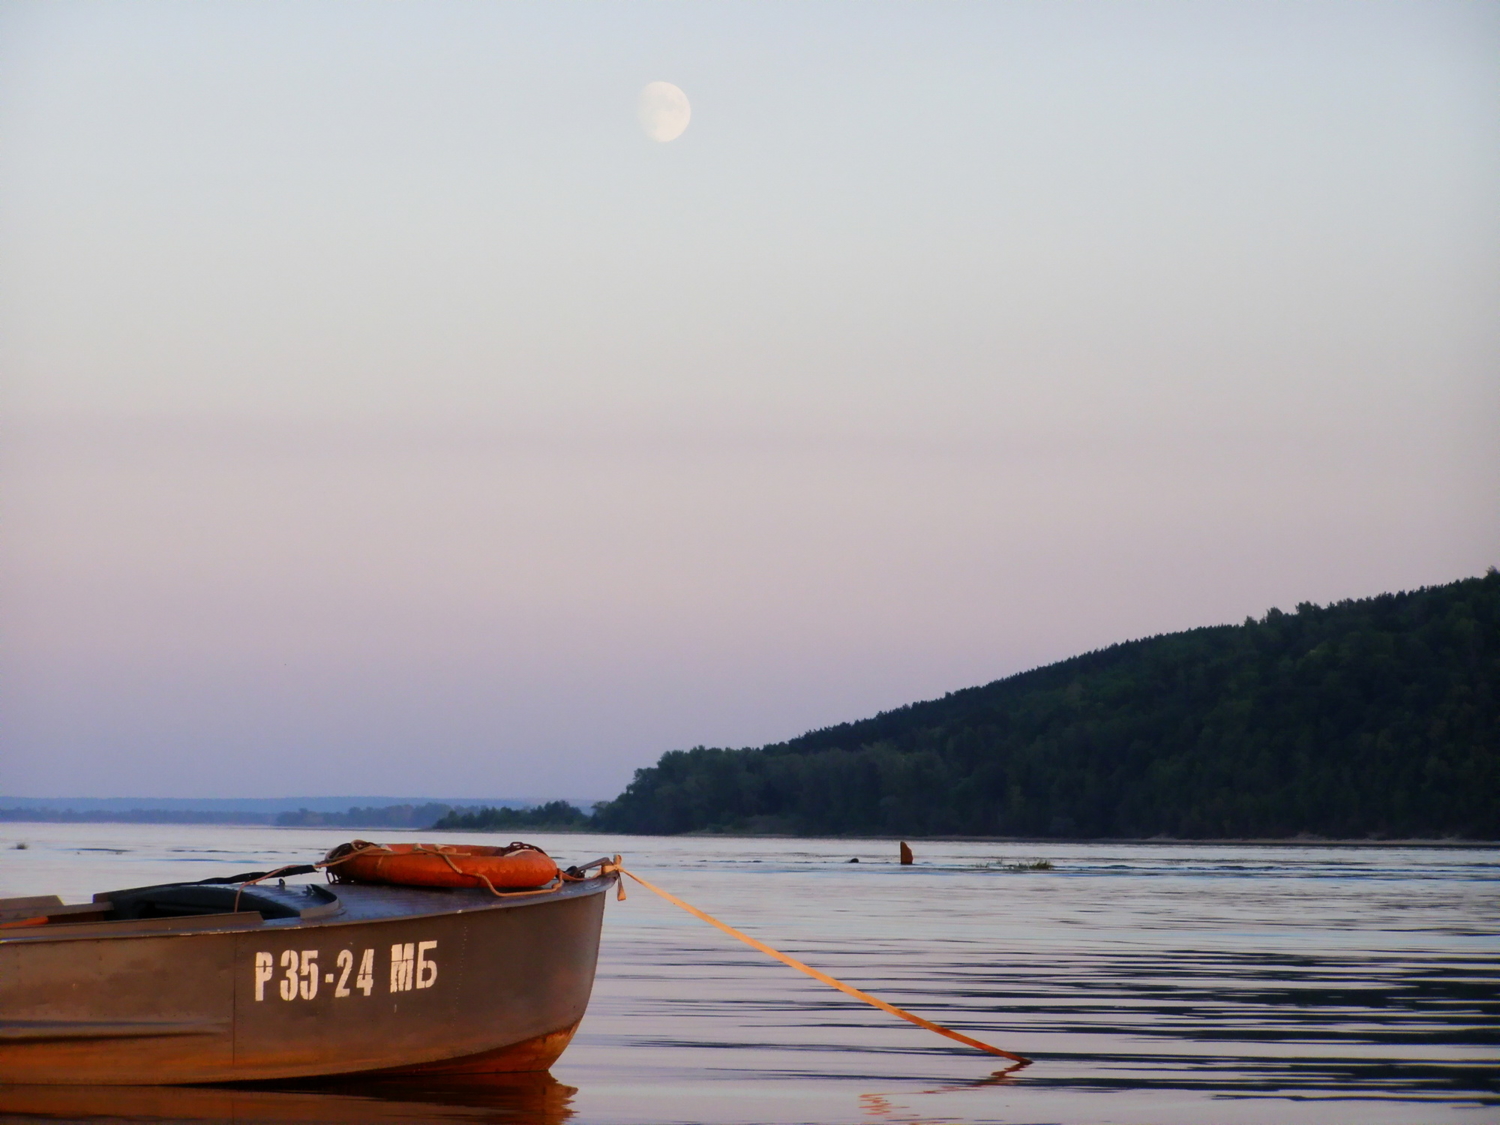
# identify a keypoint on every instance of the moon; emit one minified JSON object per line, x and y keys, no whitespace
{"x":663,"y":111}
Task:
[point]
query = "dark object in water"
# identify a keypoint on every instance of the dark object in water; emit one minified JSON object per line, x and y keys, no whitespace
{"x":213,"y":982}
{"x":854,"y":860}
{"x":906,"y":856}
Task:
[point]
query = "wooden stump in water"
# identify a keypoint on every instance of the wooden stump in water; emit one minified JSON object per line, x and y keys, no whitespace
{"x":905,"y":854}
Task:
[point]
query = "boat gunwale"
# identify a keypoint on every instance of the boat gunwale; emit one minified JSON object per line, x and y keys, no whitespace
{"x":596,"y":884}
{"x":183,"y":926}
{"x":193,"y":925}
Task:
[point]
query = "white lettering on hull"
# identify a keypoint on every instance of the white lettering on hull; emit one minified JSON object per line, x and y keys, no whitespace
{"x":412,"y":966}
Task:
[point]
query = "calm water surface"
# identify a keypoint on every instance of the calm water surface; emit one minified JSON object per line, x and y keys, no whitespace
{"x":1152,"y":984}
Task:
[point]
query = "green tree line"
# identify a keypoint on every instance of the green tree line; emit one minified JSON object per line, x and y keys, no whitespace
{"x":374,"y":816}
{"x":554,"y":815}
{"x":1368,"y":718}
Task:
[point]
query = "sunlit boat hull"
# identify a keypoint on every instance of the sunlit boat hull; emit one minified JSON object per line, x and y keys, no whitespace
{"x":377,"y":979}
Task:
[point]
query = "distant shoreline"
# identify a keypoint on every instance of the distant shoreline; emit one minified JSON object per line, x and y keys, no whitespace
{"x":1042,"y":841}
{"x":378,"y":813}
{"x":8,"y":816}
{"x":1030,"y":841}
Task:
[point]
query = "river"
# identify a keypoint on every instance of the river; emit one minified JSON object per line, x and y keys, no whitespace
{"x":1152,"y":983}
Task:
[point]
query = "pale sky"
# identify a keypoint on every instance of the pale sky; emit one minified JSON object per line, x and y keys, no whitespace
{"x":385,"y":412}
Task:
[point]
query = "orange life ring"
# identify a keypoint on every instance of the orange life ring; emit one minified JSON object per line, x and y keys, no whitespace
{"x":517,"y":867}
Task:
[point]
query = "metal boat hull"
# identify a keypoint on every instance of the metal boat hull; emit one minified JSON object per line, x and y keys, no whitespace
{"x":400,"y":980}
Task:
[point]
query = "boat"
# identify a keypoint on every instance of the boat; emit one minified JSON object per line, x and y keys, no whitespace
{"x":254,"y":978}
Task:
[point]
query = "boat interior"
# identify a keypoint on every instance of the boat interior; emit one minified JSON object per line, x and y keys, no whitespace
{"x":176,"y":901}
{"x":222,"y":904}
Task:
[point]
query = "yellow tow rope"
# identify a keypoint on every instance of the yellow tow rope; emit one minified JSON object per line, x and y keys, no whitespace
{"x":873,"y":1001}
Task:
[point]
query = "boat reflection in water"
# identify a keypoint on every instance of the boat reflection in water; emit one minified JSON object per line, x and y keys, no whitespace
{"x":534,"y":1098}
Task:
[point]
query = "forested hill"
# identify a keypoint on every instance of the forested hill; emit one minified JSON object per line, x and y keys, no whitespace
{"x":1378,"y":717}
